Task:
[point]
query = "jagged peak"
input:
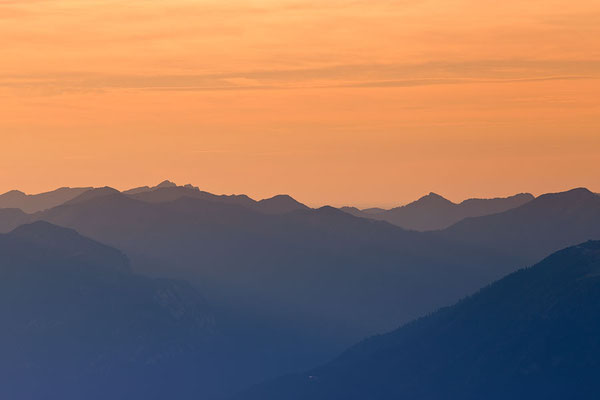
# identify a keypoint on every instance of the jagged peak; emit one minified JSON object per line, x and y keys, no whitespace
{"x":165,"y":183}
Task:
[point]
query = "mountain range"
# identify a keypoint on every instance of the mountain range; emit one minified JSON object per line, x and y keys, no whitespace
{"x":533,"y":334}
{"x":291,"y":286}
{"x":31,"y":203}
{"x":537,"y":228}
{"x":433,"y":212}
{"x":328,"y":267}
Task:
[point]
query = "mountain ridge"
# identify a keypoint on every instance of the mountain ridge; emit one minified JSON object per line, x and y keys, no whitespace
{"x":81,"y":324}
{"x":532,"y":333}
{"x":434,"y":212}
{"x":163,"y":192}
{"x":31,"y":203}
{"x":537,"y":228}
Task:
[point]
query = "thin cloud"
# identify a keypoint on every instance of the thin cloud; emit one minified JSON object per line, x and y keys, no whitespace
{"x":338,"y":76}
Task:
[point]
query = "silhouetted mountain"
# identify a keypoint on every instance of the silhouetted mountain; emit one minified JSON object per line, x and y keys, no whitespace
{"x":531,"y":335}
{"x":373,"y":210}
{"x":279,"y":204}
{"x":292,"y":289}
{"x":537,"y":228}
{"x":77,"y":323}
{"x":166,"y":194}
{"x":139,"y":189}
{"x":366,"y":213}
{"x":142,"y":189}
{"x":69,"y":245}
{"x":276,"y":205}
{"x":163,"y":192}
{"x":92,"y":194}
{"x":31,"y":203}
{"x":10,"y":218}
{"x":433,"y":212}
{"x":325,"y":264}
{"x":165,"y":184}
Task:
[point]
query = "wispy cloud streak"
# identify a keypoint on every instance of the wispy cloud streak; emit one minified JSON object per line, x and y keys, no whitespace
{"x":339,"y":76}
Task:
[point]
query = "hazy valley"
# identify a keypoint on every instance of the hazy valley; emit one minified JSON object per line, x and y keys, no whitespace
{"x":275,"y":287}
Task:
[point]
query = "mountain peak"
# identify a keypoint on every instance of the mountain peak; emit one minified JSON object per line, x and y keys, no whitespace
{"x":580,"y":191}
{"x":12,"y":196}
{"x":40,"y":228}
{"x":282,"y":197}
{"x":329,"y":211}
{"x":165,"y":184}
{"x":14,"y":193}
{"x":432,"y":198}
{"x":280,"y":204}
{"x":71,"y":245}
{"x":567,"y":197}
{"x":31,"y":203}
{"x":92,"y":194}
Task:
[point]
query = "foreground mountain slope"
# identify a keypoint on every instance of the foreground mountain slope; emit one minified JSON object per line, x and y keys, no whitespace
{"x":433,"y":212}
{"x":537,"y":228}
{"x":31,"y":203}
{"x":533,"y":334}
{"x":77,"y":323}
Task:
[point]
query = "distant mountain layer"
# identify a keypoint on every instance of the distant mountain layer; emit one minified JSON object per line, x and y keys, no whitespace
{"x":10,"y":218}
{"x":532,"y":335}
{"x":168,"y":191}
{"x":31,"y":203}
{"x":77,"y":323}
{"x":344,"y":276}
{"x":433,"y":212}
{"x":537,"y":228}
{"x":165,"y":191}
{"x":163,"y":184}
{"x":276,"y":205}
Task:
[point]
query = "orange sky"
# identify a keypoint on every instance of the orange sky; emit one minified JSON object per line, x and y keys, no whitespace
{"x":366,"y":102}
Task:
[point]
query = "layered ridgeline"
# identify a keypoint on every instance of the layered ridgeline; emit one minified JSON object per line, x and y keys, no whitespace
{"x":78,"y":324}
{"x":164,"y":191}
{"x":293,"y":288}
{"x":433,"y":212}
{"x":342,"y":276}
{"x":538,"y":228}
{"x":30,"y":203}
{"x":532,"y":335}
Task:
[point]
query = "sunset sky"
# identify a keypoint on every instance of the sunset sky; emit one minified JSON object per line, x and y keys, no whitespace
{"x":364,"y":102}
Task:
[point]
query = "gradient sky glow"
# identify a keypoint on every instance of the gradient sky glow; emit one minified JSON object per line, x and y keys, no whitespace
{"x":366,"y":102}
